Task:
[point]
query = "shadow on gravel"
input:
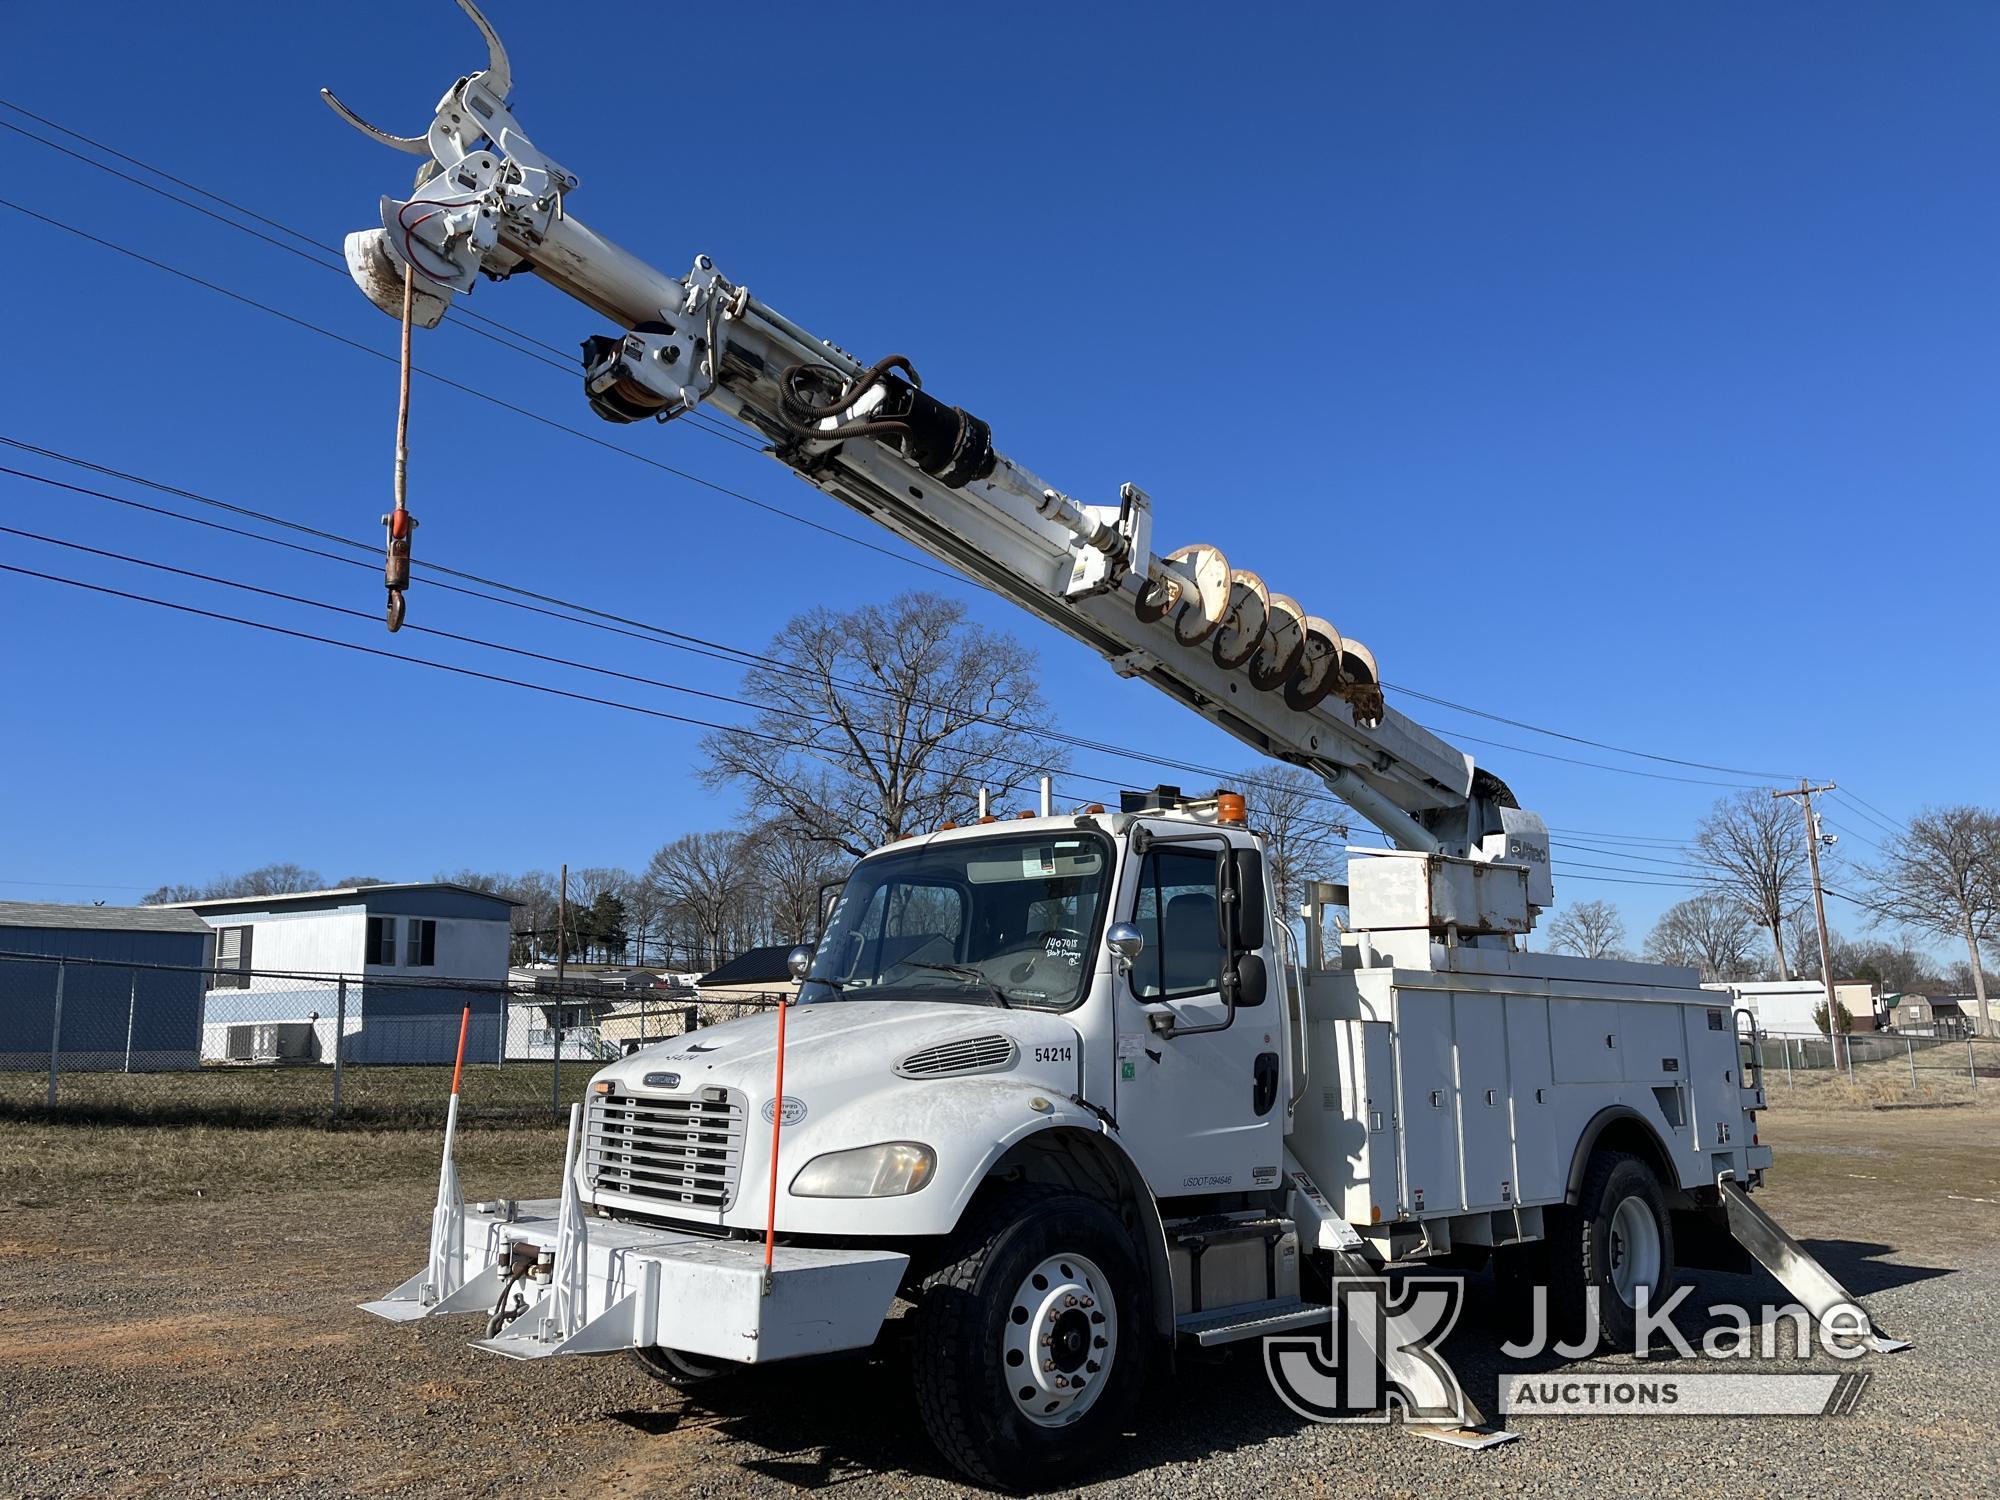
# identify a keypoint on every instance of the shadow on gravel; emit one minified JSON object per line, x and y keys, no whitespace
{"x":834,"y":1422}
{"x":1858,"y":1265}
{"x":840,"y":1421}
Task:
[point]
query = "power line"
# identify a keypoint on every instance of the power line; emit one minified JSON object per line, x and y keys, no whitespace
{"x":492,"y":328}
{"x":474,"y":391}
{"x":1644,"y":839}
{"x":734,"y":656}
{"x":713,"y":649}
{"x":1629,"y":878}
{"x":1861,"y":809}
{"x":809,"y":746}
{"x":1577,"y":739}
{"x":717,"y":650}
{"x":1627,"y":854}
{"x":1669,"y":885}
{"x":720,"y":431}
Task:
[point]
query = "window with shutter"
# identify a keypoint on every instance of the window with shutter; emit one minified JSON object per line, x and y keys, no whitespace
{"x":232,"y":958}
{"x":420,"y":951}
{"x":381,"y":941}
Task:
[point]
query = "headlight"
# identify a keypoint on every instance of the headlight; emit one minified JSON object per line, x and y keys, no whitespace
{"x":885,"y":1171}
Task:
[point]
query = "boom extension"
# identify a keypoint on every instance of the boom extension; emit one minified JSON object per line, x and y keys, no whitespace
{"x":1251,"y":660}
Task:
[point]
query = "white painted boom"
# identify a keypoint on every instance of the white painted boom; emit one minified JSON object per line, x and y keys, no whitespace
{"x":1247,"y":657}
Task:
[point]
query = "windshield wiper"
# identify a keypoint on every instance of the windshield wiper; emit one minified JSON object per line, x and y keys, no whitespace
{"x":966,"y":972}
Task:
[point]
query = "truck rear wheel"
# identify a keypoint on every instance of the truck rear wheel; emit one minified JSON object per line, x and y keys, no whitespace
{"x":1616,"y":1242}
{"x":1031,"y":1338}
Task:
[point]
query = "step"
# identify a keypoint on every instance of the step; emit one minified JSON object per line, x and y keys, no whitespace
{"x":1252,"y":1320}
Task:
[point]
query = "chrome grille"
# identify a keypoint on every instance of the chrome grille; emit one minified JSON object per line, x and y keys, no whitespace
{"x":685,"y":1150}
{"x":967,"y":1054}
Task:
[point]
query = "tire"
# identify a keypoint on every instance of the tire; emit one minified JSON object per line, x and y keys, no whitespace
{"x":994,"y":1417}
{"x":1618,"y":1238}
{"x":679,"y":1369}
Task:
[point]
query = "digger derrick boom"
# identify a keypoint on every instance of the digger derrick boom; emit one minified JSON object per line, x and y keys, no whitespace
{"x":1252,"y":661}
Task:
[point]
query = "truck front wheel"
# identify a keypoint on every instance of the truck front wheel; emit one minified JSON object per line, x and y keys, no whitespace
{"x":1031,"y":1338}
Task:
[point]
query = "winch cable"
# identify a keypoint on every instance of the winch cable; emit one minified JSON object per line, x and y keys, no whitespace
{"x":399,"y":522}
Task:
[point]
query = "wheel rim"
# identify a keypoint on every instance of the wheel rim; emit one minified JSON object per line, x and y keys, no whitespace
{"x":1634,"y":1250}
{"x":1059,"y":1339}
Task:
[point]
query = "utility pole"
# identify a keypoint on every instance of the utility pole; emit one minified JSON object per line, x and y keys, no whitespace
{"x":562,"y":925}
{"x":1805,"y":792}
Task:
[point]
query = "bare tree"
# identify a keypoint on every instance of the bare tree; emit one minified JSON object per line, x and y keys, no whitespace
{"x":701,"y":876}
{"x":1899,"y":966}
{"x":644,"y":909}
{"x":884,"y":721}
{"x":1589,"y":929}
{"x":1709,"y":932}
{"x":791,"y":867}
{"x":1757,"y":847}
{"x":1943,"y":877}
{"x":282,"y":879}
{"x":1304,"y":838}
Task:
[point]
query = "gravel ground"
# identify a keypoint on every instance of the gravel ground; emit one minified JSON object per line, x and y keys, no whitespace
{"x":202,"y":1340}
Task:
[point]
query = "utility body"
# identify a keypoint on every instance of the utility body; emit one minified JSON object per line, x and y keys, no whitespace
{"x":1071,"y":1086}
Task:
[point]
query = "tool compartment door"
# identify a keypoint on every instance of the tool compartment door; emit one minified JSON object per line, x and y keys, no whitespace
{"x":1486,"y":1142}
{"x":1540,"y":1178}
{"x":1427,"y":1080}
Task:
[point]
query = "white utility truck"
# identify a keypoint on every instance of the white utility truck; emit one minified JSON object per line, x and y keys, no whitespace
{"x":1067,"y":1084}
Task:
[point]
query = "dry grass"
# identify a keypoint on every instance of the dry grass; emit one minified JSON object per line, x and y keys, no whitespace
{"x":386,"y":1097}
{"x":50,"y":1165}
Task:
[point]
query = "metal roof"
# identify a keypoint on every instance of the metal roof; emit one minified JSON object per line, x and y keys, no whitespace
{"x":98,"y":918}
{"x":347,"y":890}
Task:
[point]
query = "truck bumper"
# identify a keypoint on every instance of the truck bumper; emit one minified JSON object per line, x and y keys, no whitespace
{"x":624,"y":1286}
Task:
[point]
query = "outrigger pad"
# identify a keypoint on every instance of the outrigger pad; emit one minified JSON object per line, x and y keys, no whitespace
{"x":1794,"y":1266}
{"x":406,"y":1304}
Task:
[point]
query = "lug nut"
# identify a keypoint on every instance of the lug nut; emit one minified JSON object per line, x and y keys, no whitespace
{"x":1062,"y":1382}
{"x":1070,"y":1301}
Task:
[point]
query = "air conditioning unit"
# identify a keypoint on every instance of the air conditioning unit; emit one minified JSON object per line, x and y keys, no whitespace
{"x":272,"y":1041}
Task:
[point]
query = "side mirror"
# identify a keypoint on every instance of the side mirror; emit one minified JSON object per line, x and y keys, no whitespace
{"x":800,"y":962}
{"x":1248,"y":980}
{"x":1126,"y":941}
{"x":1240,"y":901}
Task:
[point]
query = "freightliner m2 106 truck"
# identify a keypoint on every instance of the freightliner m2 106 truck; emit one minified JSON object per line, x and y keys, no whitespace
{"x":1067,"y":1093}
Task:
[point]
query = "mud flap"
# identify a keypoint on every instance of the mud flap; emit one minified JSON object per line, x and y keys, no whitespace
{"x":1794,"y":1267}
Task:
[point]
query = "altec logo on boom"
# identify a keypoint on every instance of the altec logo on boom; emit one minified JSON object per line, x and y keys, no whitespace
{"x":1381,"y":1354}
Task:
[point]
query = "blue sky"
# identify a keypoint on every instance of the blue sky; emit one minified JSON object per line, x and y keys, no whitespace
{"x":1627,"y":370}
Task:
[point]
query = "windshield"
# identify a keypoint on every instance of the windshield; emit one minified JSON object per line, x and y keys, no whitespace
{"x":996,"y":921}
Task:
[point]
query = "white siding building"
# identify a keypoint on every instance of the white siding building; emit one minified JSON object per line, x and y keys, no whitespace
{"x":413,"y":956}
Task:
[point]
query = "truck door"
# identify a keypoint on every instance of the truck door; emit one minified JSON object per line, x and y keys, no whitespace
{"x":1200,"y":1111}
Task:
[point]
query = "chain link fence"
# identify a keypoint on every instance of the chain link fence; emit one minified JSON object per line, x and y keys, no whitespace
{"x":154,"y":1044}
{"x":1879,"y":1067}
